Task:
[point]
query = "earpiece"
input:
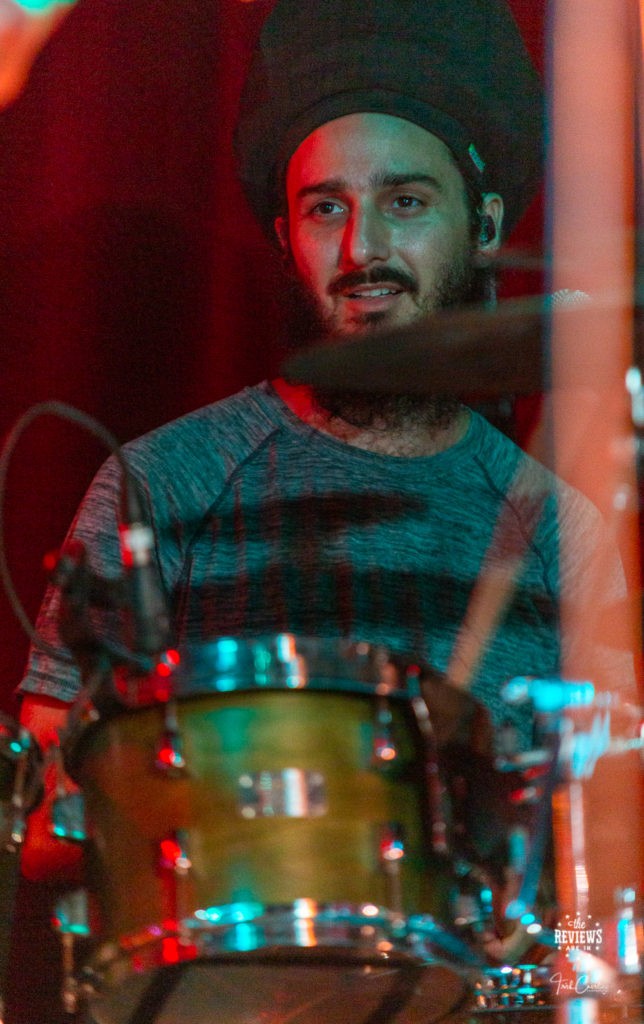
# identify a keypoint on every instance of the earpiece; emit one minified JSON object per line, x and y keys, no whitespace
{"x":487,"y":233}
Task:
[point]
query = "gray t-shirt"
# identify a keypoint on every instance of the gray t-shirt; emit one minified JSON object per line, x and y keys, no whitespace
{"x":264,"y":525}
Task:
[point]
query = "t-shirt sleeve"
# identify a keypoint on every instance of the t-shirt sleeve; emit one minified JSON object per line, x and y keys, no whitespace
{"x":96,"y":527}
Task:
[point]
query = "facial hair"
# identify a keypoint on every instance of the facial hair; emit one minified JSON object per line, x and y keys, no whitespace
{"x":459,"y":283}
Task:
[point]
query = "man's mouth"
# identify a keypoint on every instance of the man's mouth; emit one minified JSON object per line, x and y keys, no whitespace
{"x":373,"y":291}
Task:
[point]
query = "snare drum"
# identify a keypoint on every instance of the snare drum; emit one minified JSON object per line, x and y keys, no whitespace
{"x":268,"y":808}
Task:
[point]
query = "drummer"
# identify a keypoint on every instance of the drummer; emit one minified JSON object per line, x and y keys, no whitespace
{"x":386,"y":149}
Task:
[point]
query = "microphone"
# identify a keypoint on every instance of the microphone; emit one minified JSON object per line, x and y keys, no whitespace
{"x":150,"y":621}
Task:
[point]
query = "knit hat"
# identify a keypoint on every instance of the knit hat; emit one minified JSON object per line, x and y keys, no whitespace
{"x":457,"y":68}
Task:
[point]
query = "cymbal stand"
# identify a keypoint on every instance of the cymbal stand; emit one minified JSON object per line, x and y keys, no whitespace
{"x":600,"y":954}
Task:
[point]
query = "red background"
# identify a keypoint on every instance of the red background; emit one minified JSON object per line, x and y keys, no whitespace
{"x":133,"y":282}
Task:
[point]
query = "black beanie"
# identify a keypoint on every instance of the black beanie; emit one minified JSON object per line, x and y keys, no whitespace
{"x":457,"y":68}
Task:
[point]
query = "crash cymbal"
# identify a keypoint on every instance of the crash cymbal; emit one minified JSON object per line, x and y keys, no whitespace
{"x":468,"y":350}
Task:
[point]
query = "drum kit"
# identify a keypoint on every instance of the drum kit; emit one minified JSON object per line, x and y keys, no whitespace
{"x":296,"y":830}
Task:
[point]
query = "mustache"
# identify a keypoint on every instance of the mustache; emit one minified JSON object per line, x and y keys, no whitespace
{"x":377,"y":275}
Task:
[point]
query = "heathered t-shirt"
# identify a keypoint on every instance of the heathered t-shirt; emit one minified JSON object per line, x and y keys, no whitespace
{"x":264,"y":525}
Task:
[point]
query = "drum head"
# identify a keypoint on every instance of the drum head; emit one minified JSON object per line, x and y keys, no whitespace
{"x":290,"y":991}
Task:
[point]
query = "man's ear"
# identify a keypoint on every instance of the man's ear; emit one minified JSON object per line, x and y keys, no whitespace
{"x":281,"y":230}
{"x":491,"y":217}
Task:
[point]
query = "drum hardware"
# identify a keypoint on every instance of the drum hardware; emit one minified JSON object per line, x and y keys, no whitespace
{"x":169,"y":752}
{"x":290,"y":793}
{"x":392,"y":853}
{"x":629,"y":932}
{"x":299,"y":929}
{"x":384,"y":746}
{"x":175,"y":868}
{"x":472,"y":903}
{"x":600,"y":962}
{"x":19,"y":753}
{"x":71,"y":921}
{"x":522,"y":908}
{"x":436,"y":791}
{"x":173,"y":853}
{"x":67,"y":815}
{"x":524,"y":985}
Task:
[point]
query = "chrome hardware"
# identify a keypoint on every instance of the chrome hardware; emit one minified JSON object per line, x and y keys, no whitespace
{"x":392,"y":847}
{"x":68,"y":817}
{"x":71,"y":915}
{"x":169,"y":757}
{"x":392,"y":853}
{"x":385,"y":751}
{"x":68,"y":808}
{"x":71,"y":921}
{"x":175,"y":869}
{"x":13,"y":831}
{"x":173,"y":853}
{"x":629,"y":951}
{"x":524,"y":985}
{"x":434,"y":784}
{"x":290,"y":793}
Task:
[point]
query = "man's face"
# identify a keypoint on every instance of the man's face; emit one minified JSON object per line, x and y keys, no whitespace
{"x":378,"y":226}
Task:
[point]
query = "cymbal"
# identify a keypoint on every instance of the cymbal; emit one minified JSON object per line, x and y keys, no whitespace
{"x":468,"y":350}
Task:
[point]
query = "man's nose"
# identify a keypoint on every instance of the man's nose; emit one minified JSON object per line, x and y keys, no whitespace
{"x":366,"y":237}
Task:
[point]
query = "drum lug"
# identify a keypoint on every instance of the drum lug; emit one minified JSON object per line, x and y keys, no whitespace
{"x":169,"y":757}
{"x":385,"y":750}
{"x":392,"y":853}
{"x":175,"y":868}
{"x":173,"y":853}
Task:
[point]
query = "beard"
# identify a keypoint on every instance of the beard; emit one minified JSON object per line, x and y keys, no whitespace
{"x":459,"y":283}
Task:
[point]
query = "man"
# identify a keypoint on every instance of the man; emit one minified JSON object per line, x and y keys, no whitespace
{"x":383,"y":146}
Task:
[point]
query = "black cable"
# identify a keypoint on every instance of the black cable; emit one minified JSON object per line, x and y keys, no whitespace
{"x":66,"y":412}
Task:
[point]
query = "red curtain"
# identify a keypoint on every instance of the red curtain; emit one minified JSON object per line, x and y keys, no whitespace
{"x":133,"y":282}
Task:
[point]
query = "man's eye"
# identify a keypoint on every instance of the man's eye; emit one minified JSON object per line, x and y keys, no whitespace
{"x":405,"y":202}
{"x":326,"y":208}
